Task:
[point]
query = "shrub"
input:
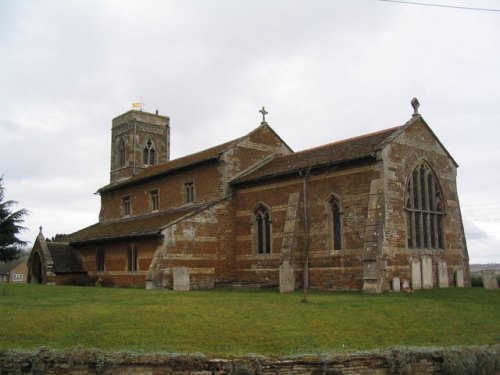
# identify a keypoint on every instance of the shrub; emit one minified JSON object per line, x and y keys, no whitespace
{"x":471,"y":361}
{"x":476,"y":280}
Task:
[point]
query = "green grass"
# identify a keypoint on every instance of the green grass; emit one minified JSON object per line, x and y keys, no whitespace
{"x":235,"y":322}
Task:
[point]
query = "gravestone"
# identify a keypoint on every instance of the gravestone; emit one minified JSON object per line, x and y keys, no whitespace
{"x":443,"y":281}
{"x":181,"y":278}
{"x":459,"y":278}
{"x":287,"y":277}
{"x":416,"y":274}
{"x":489,"y":279}
{"x":426,"y":272}
{"x":396,"y":284}
{"x":406,"y":284}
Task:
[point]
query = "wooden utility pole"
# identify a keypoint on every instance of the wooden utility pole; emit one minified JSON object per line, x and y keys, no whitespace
{"x":306,"y":237}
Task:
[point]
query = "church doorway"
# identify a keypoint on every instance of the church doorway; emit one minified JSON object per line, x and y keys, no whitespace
{"x":35,"y":271}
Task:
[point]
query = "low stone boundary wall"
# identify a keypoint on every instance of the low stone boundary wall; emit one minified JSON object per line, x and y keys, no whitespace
{"x":79,"y":361}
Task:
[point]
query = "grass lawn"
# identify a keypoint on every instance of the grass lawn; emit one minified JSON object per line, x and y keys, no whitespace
{"x":235,"y":322}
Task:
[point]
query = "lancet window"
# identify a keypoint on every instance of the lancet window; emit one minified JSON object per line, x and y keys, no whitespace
{"x":262,"y":230}
{"x":132,"y":259}
{"x":189,"y":192}
{"x":335,"y":223}
{"x":121,"y":153}
{"x":100,"y":258}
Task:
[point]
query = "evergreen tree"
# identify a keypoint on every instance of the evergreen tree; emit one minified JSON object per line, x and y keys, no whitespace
{"x":10,"y":227}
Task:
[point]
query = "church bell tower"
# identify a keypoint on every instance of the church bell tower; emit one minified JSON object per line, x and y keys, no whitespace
{"x":139,"y":140}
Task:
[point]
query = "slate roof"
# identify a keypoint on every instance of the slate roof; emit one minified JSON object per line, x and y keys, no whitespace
{"x":212,"y":153}
{"x":65,"y":257}
{"x":6,"y":267}
{"x":340,"y":152}
{"x":136,"y":226}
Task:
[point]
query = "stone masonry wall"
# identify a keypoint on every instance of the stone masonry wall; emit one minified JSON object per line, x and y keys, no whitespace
{"x":417,"y":143}
{"x":201,"y":242}
{"x":456,"y":361}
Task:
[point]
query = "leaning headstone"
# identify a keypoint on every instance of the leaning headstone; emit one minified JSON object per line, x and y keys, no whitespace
{"x":287,"y":277}
{"x":426,"y":272}
{"x":396,"y":284}
{"x":459,"y":278}
{"x":406,"y":285}
{"x":489,"y":279}
{"x":443,"y":280}
{"x":416,"y":274}
{"x":181,"y":278}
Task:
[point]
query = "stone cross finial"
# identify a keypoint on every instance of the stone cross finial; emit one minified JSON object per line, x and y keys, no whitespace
{"x":264,"y":113}
{"x":415,"y":104}
{"x":41,"y":230}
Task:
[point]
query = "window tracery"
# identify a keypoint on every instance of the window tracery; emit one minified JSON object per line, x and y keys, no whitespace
{"x":149,"y":153}
{"x":262,"y":230}
{"x":424,"y":210}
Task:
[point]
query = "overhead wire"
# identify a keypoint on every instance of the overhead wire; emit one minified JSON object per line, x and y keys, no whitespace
{"x":442,"y":5}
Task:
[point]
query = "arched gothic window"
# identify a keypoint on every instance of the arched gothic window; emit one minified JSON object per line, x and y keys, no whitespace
{"x":121,"y":153}
{"x":335,"y":223}
{"x":424,"y":210}
{"x":149,"y":154}
{"x":262,"y":230}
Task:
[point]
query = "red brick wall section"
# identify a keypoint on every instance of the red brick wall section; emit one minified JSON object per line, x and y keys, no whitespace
{"x":328,"y":269}
{"x":171,"y":188}
{"x":116,"y":261}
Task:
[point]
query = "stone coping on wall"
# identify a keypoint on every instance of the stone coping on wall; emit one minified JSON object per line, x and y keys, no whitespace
{"x":400,"y":360}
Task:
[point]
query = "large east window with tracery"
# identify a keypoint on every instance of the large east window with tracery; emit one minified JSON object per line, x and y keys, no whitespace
{"x":424,"y":210}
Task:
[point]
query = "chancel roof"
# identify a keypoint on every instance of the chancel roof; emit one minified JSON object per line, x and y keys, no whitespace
{"x":333,"y":153}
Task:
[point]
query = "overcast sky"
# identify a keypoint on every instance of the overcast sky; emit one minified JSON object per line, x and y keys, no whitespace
{"x":325,"y":70}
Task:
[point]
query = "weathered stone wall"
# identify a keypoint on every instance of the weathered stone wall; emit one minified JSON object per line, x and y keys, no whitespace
{"x":456,"y":361}
{"x":135,"y":128}
{"x":417,"y":143}
{"x":200,"y":242}
{"x":253,"y":149}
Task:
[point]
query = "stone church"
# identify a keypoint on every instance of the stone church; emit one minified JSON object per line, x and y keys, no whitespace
{"x":375,"y":213}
